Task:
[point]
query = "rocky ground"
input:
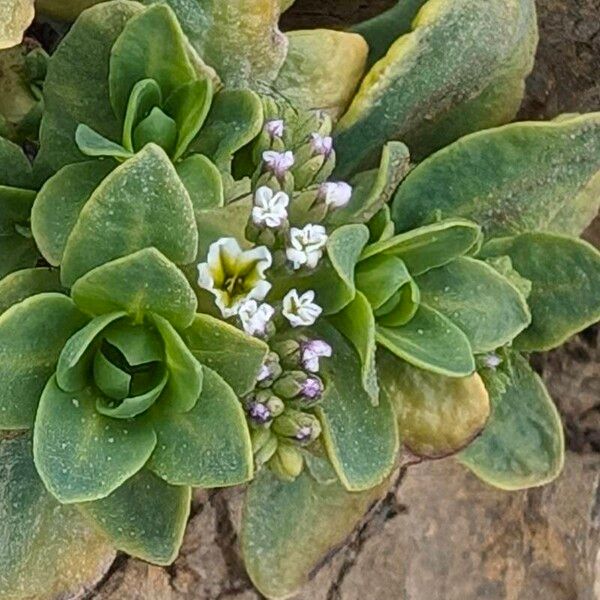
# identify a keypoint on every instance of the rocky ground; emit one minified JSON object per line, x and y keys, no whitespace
{"x":441,"y":534}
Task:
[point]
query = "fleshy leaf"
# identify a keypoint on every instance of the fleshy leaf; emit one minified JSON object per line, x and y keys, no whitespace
{"x":214,"y":432}
{"x":287,"y":528}
{"x":91,"y":143}
{"x":140,"y":53}
{"x":235,"y":119}
{"x":48,"y":550}
{"x":513,"y":179}
{"x":437,"y":415}
{"x":141,"y":203}
{"x":66,"y":10}
{"x":32,"y":336}
{"x":185,"y":372}
{"x":372,"y":189}
{"x":384,"y":29}
{"x":25,"y":283}
{"x":429,"y":246}
{"x":565,"y":277}
{"x":431,"y":342}
{"x":351,"y":422}
{"x":59,"y":202}
{"x":145,"y":517}
{"x":478,"y":300}
{"x":75,"y":361}
{"x":15,"y":170}
{"x":76,"y":86}
{"x":140,"y":283}
{"x":15,"y":18}
{"x":380,"y":277}
{"x":233,"y":354}
{"x":203,"y":182}
{"x":333,"y":279}
{"x":357,"y":323}
{"x":244,"y":56}
{"x":523,"y":443}
{"x":322,"y":69}
{"x":82,"y":455}
{"x":461,"y":69}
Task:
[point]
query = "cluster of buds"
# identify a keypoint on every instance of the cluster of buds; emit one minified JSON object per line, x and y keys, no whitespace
{"x":279,"y":409}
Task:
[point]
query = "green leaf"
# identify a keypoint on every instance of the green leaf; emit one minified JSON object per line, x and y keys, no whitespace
{"x":383,"y":30}
{"x":357,"y":323}
{"x":141,"y":283}
{"x":17,"y":249}
{"x":477,"y":299}
{"x":25,"y":283}
{"x":517,"y":178}
{"x":66,"y":10}
{"x":141,"y":203}
{"x":32,"y":335}
{"x":244,"y":56}
{"x":48,"y":550}
{"x":185,"y":372}
{"x":203,"y":182}
{"x":565,"y":277}
{"x":75,"y":361}
{"x":380,"y":277}
{"x":139,"y":344}
{"x":288,"y":527}
{"x":322,"y":69}
{"x":59,"y":202}
{"x":91,"y":143}
{"x":157,"y":128}
{"x":188,"y":105}
{"x":145,"y":517}
{"x":145,"y":95}
{"x":437,"y":415}
{"x":139,"y":53}
{"x":234,"y":120}
{"x":15,"y":170}
{"x":232,"y":353}
{"x":333,"y":279}
{"x":461,"y":69}
{"x":76,"y":86}
{"x":430,"y":246}
{"x":82,"y":455}
{"x":523,"y":444}
{"x":214,"y":432}
{"x":372,"y":189}
{"x":351,"y":422}
{"x":431,"y":342}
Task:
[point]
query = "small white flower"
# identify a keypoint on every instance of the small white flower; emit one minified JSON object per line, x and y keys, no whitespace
{"x":279,"y":163}
{"x":306,"y":246}
{"x":234,"y":275}
{"x":255,"y":317}
{"x":270,"y":209}
{"x":336,"y":194}
{"x":312,"y":351}
{"x":263,"y":374}
{"x":275,"y":128}
{"x":301,"y":311}
{"x":492,"y":360}
{"x":320,"y":144}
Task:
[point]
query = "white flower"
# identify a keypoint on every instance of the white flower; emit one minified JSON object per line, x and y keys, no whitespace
{"x":279,"y":163}
{"x":312,"y":351}
{"x":255,"y":317}
{"x":234,"y":275}
{"x":321,"y":144}
{"x":492,"y":360}
{"x":274,"y":128}
{"x":306,"y":245}
{"x":270,"y":209}
{"x":336,"y":194}
{"x":301,"y":311}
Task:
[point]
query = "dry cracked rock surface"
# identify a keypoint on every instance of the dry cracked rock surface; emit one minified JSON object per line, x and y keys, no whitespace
{"x":441,"y":534}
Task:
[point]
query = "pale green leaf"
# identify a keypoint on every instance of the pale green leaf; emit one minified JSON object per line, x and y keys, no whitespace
{"x":25,"y":283}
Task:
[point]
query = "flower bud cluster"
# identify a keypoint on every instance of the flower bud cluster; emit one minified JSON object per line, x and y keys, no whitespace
{"x":279,"y":410}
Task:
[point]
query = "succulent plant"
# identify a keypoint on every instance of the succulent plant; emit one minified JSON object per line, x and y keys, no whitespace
{"x":295,"y":261}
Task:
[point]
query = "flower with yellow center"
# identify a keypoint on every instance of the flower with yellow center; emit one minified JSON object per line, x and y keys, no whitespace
{"x":233,"y":275}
